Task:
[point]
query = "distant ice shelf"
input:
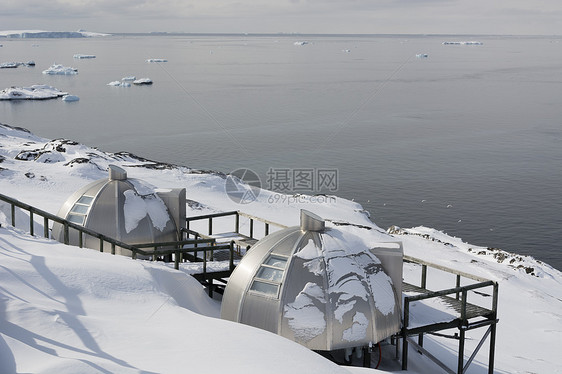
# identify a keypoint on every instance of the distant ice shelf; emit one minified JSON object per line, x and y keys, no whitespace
{"x":49,"y":34}
{"x":463,"y":43}
{"x":57,"y":69}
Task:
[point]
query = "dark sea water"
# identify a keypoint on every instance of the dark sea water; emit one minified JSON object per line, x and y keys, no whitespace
{"x":467,"y":140}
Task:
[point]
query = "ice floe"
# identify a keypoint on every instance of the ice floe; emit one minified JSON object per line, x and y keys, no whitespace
{"x":57,"y":69}
{"x":156,"y":60}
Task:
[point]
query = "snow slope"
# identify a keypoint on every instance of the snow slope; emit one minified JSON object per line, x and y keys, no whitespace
{"x":68,"y":310}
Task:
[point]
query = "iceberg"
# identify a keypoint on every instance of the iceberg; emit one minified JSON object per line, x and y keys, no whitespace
{"x":35,"y":92}
{"x":56,"y":69}
{"x":119,"y":84}
{"x":304,"y":42}
{"x":156,"y":60}
{"x":142,"y":81}
{"x":80,"y":56}
{"x":12,"y":65}
{"x":422,"y":55}
{"x":70,"y":98}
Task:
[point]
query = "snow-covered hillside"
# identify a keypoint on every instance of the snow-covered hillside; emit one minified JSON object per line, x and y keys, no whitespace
{"x":67,"y":310}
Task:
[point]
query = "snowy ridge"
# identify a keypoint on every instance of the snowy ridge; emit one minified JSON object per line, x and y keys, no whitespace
{"x":64,"y":309}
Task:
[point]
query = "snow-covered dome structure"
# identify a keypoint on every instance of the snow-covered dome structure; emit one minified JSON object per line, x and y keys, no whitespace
{"x":124,"y":209}
{"x":321,"y":287}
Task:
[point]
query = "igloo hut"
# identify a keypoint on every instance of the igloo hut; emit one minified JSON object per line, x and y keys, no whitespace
{"x":125,"y":209}
{"x":320,"y":286}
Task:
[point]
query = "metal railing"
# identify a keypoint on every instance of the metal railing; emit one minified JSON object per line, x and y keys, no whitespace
{"x":236,"y":225}
{"x":178,"y":249}
{"x":488,"y":316}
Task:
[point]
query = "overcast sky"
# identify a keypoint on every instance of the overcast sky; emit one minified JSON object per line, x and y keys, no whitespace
{"x":510,"y":17}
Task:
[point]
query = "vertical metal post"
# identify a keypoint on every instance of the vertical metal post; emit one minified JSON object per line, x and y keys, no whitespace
{"x":13,"y":215}
{"x":404,"y":336}
{"x":211,"y":287}
{"x":45,"y":227}
{"x":210,"y":225}
{"x":31,"y":228}
{"x":462,"y":333}
{"x":458,"y":285}
{"x":491,"y":355}
{"x":267,"y":229}
{"x":177,"y":260}
{"x":101,"y":244}
{"x":80,"y":238}
{"x":237,"y":223}
{"x":204,"y":263}
{"x":112,"y":248}
{"x":423,"y":285}
{"x":251,"y":227}
{"x":424,"y":276}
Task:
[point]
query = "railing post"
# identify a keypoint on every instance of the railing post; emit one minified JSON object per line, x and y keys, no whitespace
{"x":231,"y":258}
{"x":237,"y":223}
{"x":266,"y":229}
{"x":458,"y":284}
{"x":80,"y":238}
{"x":31,"y":228}
{"x":101,"y":244}
{"x":177,"y":260}
{"x":404,"y":334}
{"x":251,"y":227}
{"x":210,"y":225}
{"x":46,"y":227}
{"x":66,"y":234}
{"x":13,"y":213}
{"x":462,"y":330}
{"x":204,"y":263}
{"x":424,"y":277}
{"x":112,"y":248}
